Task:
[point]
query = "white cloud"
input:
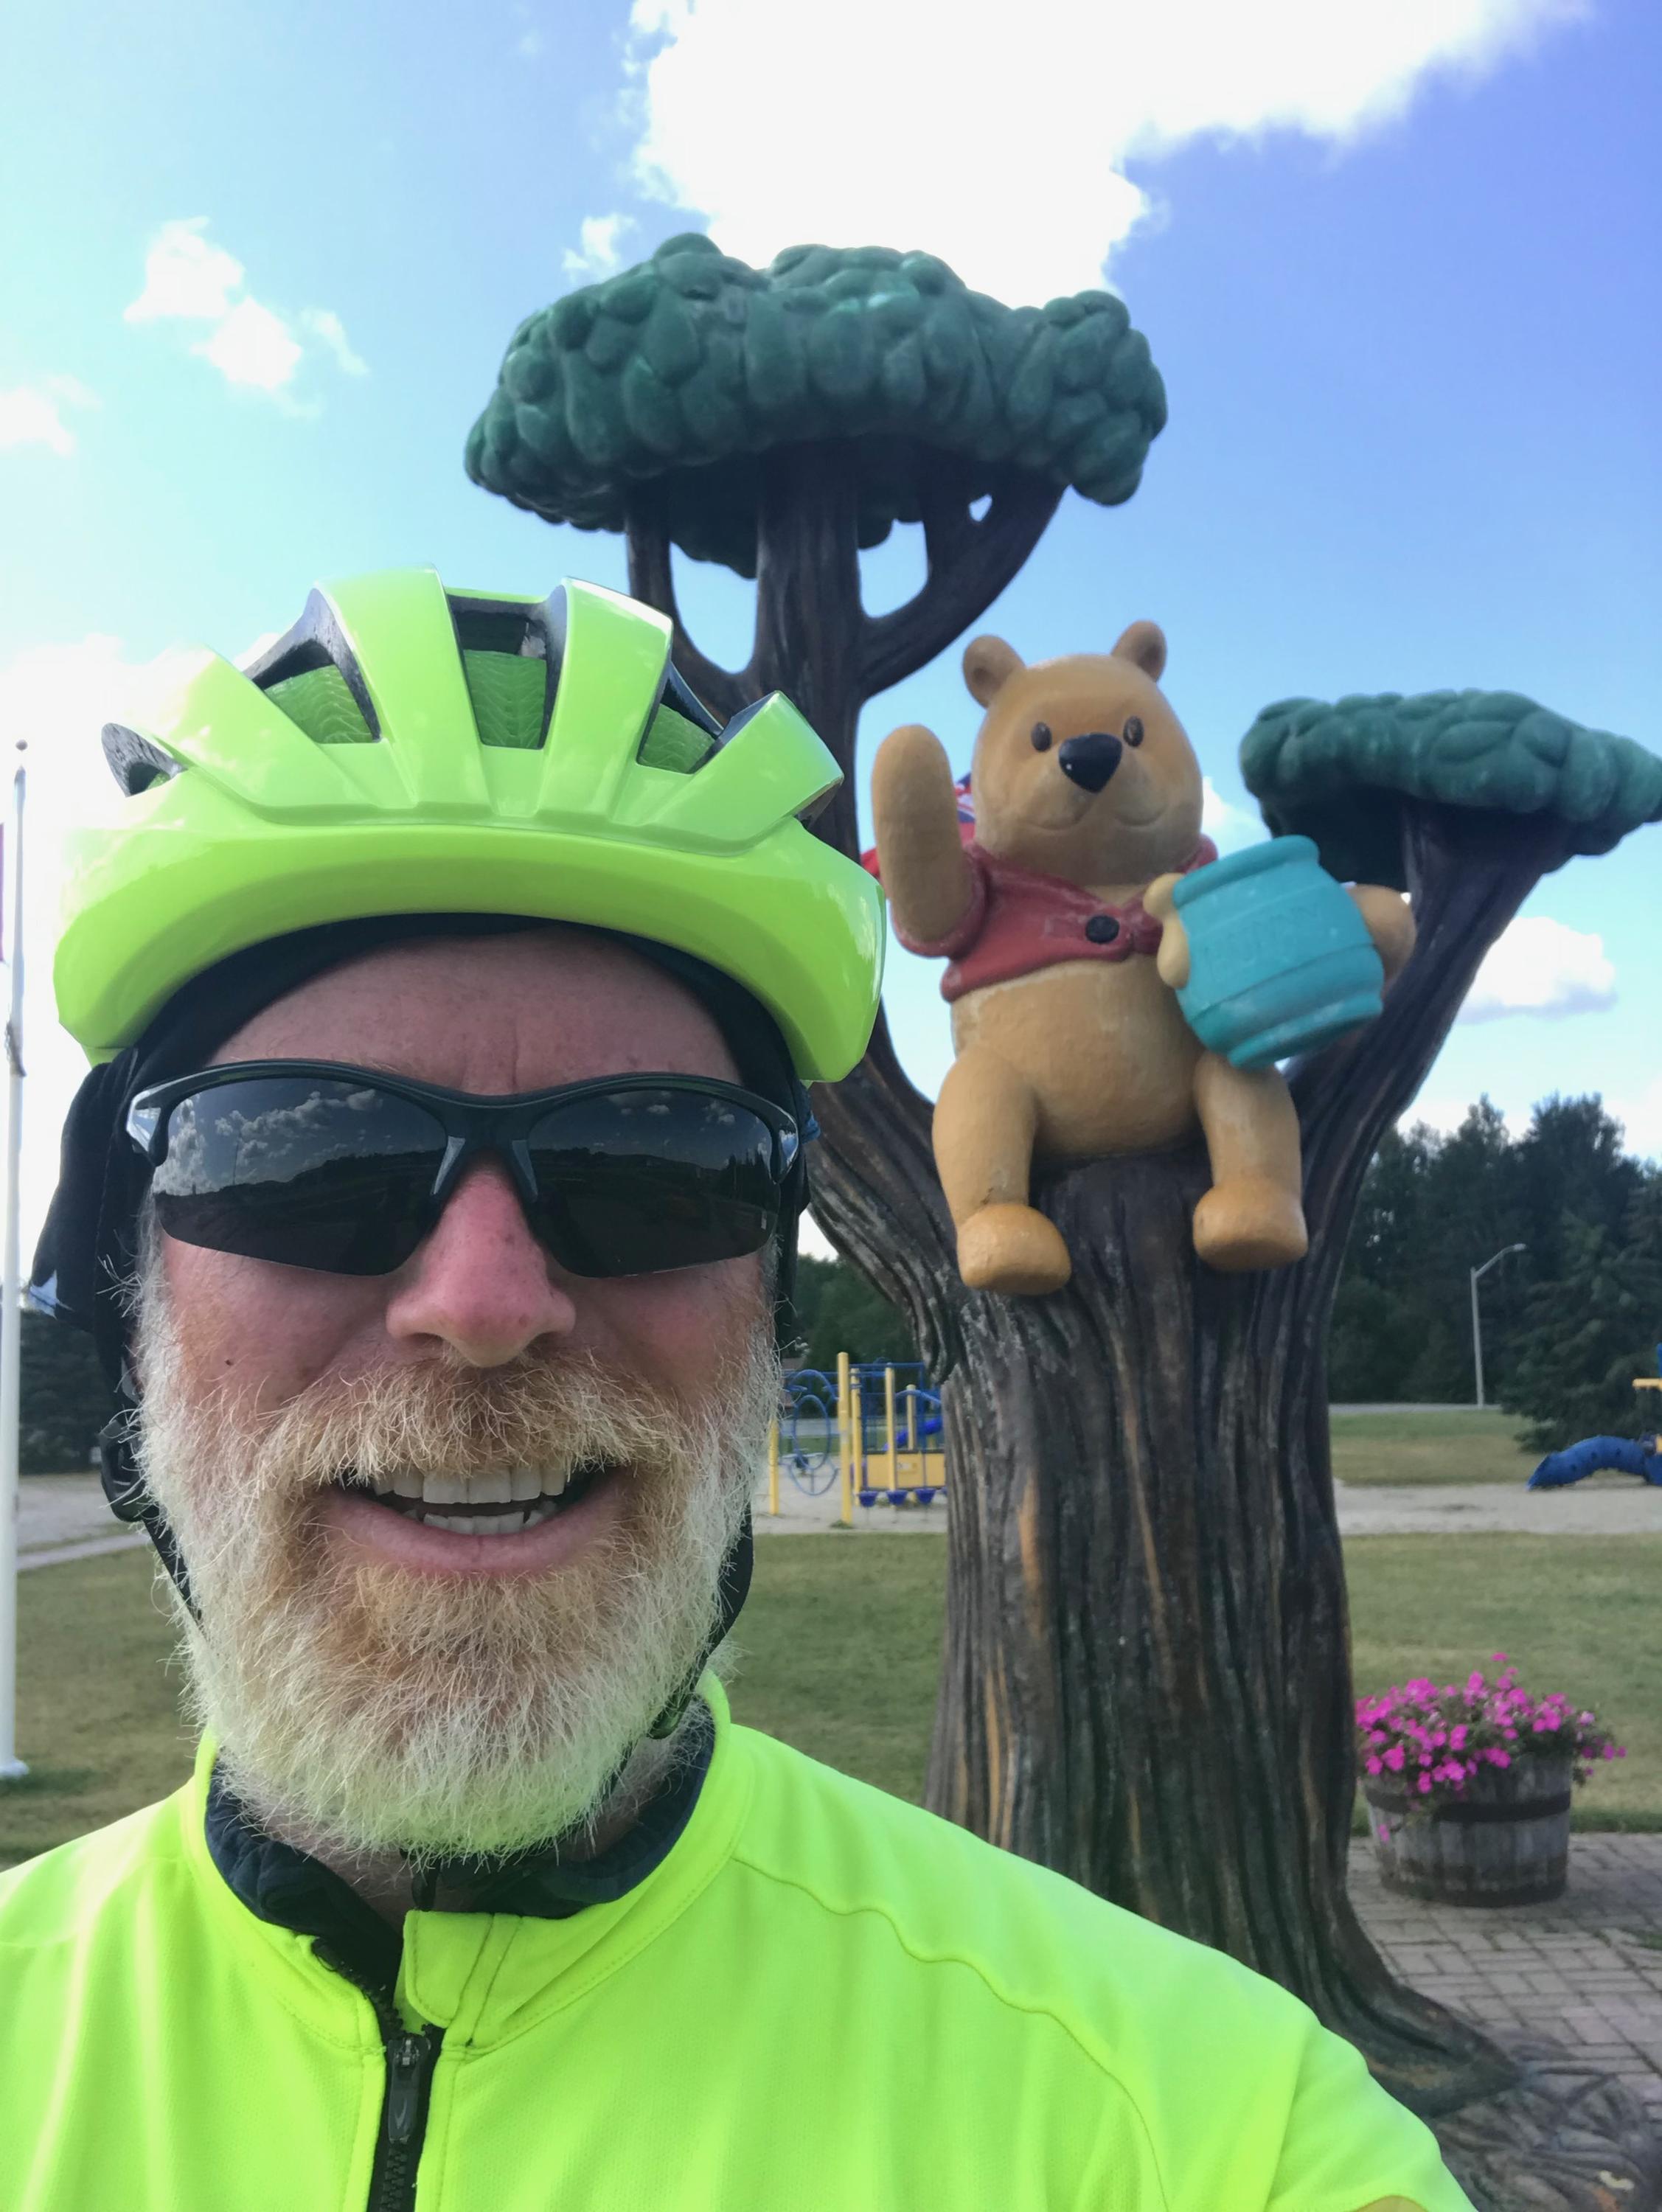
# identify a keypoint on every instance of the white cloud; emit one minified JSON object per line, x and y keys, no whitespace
{"x":187,"y":278}
{"x":1447,"y":1114}
{"x":31,"y":414}
{"x":596,"y":254}
{"x":253,"y":347}
{"x":1640,"y":1113}
{"x":58,"y":697}
{"x":324,"y":322}
{"x":1000,"y":142}
{"x":1640,"y":1116}
{"x":1538,"y":966}
{"x":1228,"y":825}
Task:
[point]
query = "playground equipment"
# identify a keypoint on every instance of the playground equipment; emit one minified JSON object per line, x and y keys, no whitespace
{"x":881,"y":1421}
{"x":1640,"y":1456}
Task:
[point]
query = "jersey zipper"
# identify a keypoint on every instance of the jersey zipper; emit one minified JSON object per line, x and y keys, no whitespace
{"x":412,"y":2054}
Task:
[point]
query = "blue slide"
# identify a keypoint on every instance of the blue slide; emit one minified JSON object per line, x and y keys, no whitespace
{"x":1621,"y":1455}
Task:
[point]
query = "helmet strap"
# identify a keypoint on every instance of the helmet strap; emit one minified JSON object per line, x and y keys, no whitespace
{"x":130,"y":1500}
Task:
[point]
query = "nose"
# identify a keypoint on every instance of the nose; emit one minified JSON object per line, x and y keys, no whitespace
{"x":1091,"y":760}
{"x":481,"y":1282}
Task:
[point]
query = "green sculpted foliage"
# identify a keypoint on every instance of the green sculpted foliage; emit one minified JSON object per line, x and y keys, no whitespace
{"x":683,"y":371}
{"x":1328,"y":772}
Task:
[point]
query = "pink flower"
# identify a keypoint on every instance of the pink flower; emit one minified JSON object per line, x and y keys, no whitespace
{"x":1375,"y":1765}
{"x":1394,"y":1757}
{"x":1425,"y":1783}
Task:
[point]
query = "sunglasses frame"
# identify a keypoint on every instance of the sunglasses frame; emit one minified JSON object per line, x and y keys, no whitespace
{"x":474,"y":1124}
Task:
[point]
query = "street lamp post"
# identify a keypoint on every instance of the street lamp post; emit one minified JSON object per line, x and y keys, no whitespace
{"x":1476,"y":1322}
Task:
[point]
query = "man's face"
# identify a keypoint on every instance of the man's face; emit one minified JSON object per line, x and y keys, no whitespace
{"x":373,"y":1678}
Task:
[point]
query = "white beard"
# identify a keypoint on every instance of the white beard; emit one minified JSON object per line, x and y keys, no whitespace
{"x":366,"y":1708}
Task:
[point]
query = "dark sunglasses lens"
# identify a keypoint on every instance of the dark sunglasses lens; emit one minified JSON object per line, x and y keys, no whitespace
{"x":312,"y":1171}
{"x":633,"y":1183}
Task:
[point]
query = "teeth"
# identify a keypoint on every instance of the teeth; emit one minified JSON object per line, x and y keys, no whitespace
{"x":466,"y":1524}
{"x":529,"y":1486}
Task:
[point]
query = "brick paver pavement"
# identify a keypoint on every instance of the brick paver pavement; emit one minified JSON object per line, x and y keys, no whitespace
{"x":1576,"y":1971}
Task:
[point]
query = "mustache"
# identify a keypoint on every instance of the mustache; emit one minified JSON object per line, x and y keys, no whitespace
{"x":437,"y":1417}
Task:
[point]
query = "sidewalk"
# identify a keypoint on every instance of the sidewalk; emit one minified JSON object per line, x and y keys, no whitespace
{"x":1607,"y":1505}
{"x":1585,"y":1972}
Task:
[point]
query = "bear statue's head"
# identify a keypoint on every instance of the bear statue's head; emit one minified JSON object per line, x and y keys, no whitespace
{"x":1081,"y":769}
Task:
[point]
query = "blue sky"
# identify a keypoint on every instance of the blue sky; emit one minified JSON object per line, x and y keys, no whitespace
{"x":1397,"y":263}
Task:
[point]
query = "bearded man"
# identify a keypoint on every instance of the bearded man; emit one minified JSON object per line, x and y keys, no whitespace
{"x":452,"y":982}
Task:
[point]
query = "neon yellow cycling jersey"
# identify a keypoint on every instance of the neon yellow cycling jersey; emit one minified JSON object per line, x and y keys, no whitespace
{"x":821,"y":1998}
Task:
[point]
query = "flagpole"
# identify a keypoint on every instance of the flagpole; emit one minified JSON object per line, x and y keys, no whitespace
{"x":12,"y":1768}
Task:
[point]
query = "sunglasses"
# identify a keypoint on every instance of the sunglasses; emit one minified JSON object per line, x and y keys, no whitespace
{"x":345,"y":1170}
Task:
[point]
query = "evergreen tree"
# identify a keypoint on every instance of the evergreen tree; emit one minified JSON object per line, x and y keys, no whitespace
{"x":63,"y":1399}
{"x":837,"y":1310}
{"x":1591,"y":1331}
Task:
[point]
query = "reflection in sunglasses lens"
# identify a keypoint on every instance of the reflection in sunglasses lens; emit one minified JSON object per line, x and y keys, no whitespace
{"x":637,"y":1181}
{"x":312,"y":1171}
{"x":336,"y":1174}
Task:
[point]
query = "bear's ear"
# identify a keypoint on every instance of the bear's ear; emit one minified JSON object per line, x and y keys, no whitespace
{"x":989,"y":664}
{"x":1144,"y":643}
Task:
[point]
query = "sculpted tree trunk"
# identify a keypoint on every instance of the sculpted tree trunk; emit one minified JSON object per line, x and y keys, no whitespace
{"x":1146,"y":1681}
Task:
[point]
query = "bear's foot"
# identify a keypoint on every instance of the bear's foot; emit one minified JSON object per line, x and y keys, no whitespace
{"x":1249,"y":1222}
{"x":1012,"y":1249}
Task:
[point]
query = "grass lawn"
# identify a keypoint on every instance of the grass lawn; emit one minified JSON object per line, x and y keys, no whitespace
{"x":841,"y":1644}
{"x":1455,"y":1446}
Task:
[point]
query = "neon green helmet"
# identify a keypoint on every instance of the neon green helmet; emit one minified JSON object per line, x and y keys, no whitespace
{"x":406,"y":749}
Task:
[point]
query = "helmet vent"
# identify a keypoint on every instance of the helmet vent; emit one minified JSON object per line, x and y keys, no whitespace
{"x":321,"y":702}
{"x":308,"y":670}
{"x":136,"y":762}
{"x":674,"y":743}
{"x":510,"y":671}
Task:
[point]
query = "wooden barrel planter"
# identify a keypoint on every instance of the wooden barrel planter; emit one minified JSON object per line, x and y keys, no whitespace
{"x":1505,"y":1840}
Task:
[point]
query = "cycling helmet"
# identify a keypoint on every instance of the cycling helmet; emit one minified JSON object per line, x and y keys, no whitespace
{"x":409,"y":749}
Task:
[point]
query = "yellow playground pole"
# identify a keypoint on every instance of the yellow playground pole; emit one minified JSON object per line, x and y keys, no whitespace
{"x":773,"y":1467}
{"x":847,"y":1413}
{"x":894,"y":1452}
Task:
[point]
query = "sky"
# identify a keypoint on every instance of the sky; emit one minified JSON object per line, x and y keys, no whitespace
{"x":1396,"y":260}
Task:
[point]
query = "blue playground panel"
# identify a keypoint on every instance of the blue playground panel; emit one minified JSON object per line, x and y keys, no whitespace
{"x":1619,"y":1455}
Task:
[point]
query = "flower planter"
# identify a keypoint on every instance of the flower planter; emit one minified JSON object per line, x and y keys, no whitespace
{"x":1505,"y":1840}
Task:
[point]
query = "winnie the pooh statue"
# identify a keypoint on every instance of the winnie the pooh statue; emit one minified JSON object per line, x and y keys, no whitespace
{"x":1066,"y":956}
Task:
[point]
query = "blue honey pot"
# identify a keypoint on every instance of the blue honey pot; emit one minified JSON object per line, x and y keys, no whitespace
{"x":1279,"y":959}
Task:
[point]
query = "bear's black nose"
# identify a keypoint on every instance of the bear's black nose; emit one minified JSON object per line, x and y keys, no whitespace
{"x":1090,"y":760}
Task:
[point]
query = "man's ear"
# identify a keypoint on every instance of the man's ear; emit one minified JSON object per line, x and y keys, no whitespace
{"x":1143,"y":643}
{"x":989,"y":664}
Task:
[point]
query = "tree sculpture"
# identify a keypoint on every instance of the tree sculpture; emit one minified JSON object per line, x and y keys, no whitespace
{"x":1145,"y":1680}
